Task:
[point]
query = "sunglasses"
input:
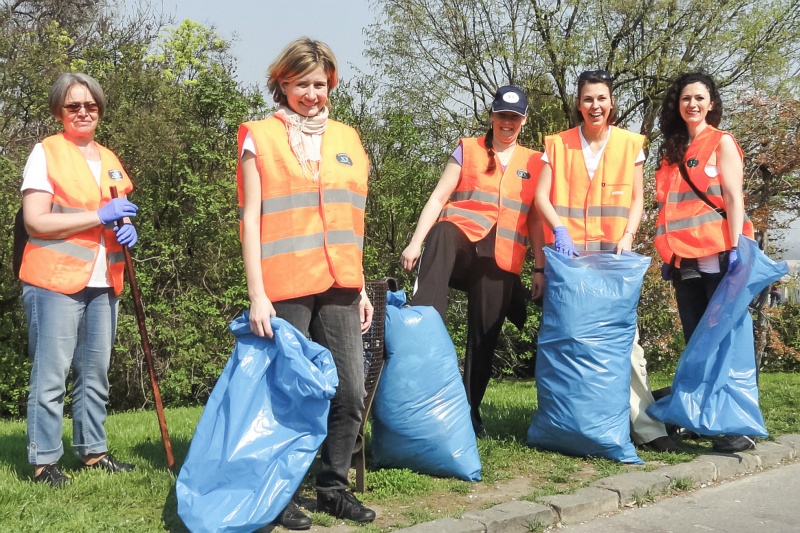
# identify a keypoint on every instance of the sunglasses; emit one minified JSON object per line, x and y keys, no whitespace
{"x":90,"y":107}
{"x":594,"y":74}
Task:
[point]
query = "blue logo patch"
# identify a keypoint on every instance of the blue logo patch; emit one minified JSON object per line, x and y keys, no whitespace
{"x":115,"y":175}
{"x":344,"y":159}
{"x":523,"y":174}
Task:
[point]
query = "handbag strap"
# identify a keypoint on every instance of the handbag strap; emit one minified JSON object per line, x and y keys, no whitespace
{"x":685,"y":175}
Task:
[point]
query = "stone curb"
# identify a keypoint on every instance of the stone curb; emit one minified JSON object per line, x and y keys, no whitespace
{"x":613,"y":493}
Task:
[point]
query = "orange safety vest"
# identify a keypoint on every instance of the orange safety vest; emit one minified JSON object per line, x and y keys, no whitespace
{"x":312,"y":232}
{"x":686,"y":225}
{"x":482,"y":201}
{"x":595,"y":211}
{"x":65,"y":265}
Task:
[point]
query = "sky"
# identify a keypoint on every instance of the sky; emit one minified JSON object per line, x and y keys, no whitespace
{"x":259,"y":29}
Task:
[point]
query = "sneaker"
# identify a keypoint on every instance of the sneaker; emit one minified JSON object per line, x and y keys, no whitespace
{"x":734,"y":443}
{"x":677,"y":433}
{"x":53,"y":476}
{"x":293,"y":518}
{"x":662,"y":444}
{"x":109,"y":463}
{"x":343,"y":504}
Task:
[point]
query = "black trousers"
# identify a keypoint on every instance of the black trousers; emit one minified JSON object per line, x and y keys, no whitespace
{"x":451,"y":260}
{"x":693,"y":291}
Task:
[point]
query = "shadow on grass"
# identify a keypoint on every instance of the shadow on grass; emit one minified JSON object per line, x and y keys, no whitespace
{"x":153,"y":451}
{"x":14,"y":454}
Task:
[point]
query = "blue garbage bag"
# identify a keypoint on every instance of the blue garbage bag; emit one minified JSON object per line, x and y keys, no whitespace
{"x":715,"y":391}
{"x":421,"y":417}
{"x":260,"y":430}
{"x":583,"y":359}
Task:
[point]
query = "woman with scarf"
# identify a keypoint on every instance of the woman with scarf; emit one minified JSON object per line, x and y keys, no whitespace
{"x":701,"y":214}
{"x":476,"y":226}
{"x":302,"y":181}
{"x":590,"y":195}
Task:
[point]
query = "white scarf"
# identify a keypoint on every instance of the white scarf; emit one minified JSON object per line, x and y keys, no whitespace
{"x":305,"y":137}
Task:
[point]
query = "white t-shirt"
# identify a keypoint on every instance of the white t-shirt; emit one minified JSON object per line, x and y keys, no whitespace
{"x":592,"y":159}
{"x":34,"y":177}
{"x":248,"y":145}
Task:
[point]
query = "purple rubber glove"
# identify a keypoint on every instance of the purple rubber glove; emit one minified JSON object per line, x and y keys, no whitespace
{"x":733,"y":259}
{"x":116,"y":209}
{"x":666,"y":271}
{"x":564,"y":244}
{"x":126,"y":235}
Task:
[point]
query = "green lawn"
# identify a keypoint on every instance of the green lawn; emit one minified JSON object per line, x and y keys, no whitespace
{"x":144,"y":500}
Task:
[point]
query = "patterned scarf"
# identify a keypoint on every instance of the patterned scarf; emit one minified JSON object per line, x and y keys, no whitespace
{"x":305,"y":137}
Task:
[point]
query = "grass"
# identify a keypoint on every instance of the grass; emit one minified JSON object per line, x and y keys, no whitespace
{"x":144,"y":500}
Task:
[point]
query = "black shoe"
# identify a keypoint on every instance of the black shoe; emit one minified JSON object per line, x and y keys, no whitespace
{"x":109,"y":463}
{"x":662,"y":444}
{"x":293,"y":518}
{"x":660,"y":393}
{"x":53,"y":476}
{"x":342,"y":504}
{"x":734,"y":443}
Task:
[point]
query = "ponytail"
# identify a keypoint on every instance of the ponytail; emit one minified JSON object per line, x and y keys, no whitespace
{"x":488,"y":140}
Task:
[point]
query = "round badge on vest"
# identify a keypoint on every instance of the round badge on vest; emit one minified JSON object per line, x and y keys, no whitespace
{"x":115,"y":175}
{"x":344,"y":159}
{"x":693,"y":162}
{"x":523,"y":174}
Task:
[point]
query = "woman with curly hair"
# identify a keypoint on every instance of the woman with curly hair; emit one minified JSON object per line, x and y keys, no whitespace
{"x":701,"y":206}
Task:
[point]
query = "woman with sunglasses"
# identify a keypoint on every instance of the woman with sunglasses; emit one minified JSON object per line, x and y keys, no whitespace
{"x":302,"y":181}
{"x":476,"y":225}
{"x":72,"y":275}
{"x":701,"y":213}
{"x":590,"y":195}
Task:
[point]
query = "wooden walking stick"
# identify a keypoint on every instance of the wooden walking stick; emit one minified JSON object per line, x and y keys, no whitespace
{"x":148,"y":356}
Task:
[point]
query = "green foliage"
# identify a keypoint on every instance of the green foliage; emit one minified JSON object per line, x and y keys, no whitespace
{"x":172,"y":117}
{"x":786,"y":322}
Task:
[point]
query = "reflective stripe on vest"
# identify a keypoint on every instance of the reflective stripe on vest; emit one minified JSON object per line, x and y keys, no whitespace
{"x":312,"y":233}
{"x":65,"y":265}
{"x":686,"y":225}
{"x":595,"y":211}
{"x":502,"y":199}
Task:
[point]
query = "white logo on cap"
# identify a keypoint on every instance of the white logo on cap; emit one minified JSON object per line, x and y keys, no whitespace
{"x":511,"y":98}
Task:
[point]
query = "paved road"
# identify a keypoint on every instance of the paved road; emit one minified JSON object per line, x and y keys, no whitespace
{"x":767,"y":502}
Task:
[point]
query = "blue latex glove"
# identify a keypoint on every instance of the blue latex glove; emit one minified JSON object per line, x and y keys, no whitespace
{"x":666,"y":271}
{"x":733,"y":259}
{"x":126,"y":235}
{"x":564,"y":244}
{"x":116,"y":209}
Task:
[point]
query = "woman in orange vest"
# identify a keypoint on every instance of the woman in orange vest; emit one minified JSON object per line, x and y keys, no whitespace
{"x":72,"y":275}
{"x":590,"y":195}
{"x":476,"y":226}
{"x":701,"y":204}
{"x":302,"y":181}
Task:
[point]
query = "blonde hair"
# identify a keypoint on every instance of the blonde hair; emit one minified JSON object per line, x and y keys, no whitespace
{"x":298,"y":58}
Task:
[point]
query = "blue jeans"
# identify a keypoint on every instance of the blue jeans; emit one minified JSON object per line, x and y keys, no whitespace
{"x":68,"y":330}
{"x":332,"y":320}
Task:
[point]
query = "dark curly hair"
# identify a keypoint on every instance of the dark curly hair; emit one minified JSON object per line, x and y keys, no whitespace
{"x":672,"y":125}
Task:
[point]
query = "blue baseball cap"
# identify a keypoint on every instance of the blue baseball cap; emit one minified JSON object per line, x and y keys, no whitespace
{"x":509,"y":98}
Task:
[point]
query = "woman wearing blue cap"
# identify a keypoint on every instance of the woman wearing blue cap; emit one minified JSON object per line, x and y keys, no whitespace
{"x":476,"y":226}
